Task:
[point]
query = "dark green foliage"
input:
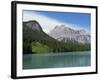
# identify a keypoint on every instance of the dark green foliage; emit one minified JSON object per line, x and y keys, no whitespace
{"x":39,"y":48}
{"x":32,"y":36}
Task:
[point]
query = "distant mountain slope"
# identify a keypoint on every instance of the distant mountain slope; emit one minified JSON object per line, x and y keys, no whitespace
{"x":63,"y":33}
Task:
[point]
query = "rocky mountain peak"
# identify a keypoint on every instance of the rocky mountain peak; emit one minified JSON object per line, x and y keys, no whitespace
{"x":60,"y":27}
{"x":61,"y":32}
{"x":33,"y":24}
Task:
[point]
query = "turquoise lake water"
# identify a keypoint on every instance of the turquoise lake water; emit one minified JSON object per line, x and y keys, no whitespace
{"x":56,"y":60}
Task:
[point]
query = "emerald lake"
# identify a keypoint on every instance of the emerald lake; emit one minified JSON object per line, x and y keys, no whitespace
{"x":56,"y":60}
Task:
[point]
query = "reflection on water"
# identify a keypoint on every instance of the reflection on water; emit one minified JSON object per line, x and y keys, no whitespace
{"x":56,"y":60}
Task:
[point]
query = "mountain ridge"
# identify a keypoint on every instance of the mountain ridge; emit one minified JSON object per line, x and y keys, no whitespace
{"x":61,"y":32}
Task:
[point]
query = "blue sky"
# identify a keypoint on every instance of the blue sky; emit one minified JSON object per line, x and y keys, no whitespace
{"x":71,"y":19}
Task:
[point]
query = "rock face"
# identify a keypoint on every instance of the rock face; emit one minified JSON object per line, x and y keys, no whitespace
{"x":63,"y":33}
{"x":33,"y":25}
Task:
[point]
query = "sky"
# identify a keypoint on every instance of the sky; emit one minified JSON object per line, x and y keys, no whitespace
{"x":48,"y":20}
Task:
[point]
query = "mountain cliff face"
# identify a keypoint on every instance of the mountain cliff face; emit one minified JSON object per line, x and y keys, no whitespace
{"x":63,"y":33}
{"x":34,"y":25}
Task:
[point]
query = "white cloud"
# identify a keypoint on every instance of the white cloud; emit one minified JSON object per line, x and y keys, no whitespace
{"x":46,"y":23}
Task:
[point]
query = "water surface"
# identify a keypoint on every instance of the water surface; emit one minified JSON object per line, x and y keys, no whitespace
{"x":56,"y":60}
